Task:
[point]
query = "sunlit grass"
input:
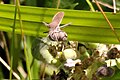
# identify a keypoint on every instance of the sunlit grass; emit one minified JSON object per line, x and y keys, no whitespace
{"x":89,"y":24}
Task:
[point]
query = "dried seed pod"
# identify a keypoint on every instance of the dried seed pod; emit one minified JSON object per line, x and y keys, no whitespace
{"x":105,"y":71}
{"x":61,"y":75}
{"x":112,"y":53}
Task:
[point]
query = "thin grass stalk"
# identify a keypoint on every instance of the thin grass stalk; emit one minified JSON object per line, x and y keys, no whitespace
{"x":58,"y":4}
{"x":114,"y":6}
{"x":5,"y":46}
{"x":107,"y":5}
{"x":111,"y":26}
{"x":42,"y":71}
{"x":90,"y":5}
{"x":8,"y":67}
{"x":23,"y":39}
{"x":11,"y":67}
{"x":13,"y":43}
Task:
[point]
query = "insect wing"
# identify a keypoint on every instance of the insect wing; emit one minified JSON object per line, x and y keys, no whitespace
{"x":56,"y":20}
{"x":58,"y":17}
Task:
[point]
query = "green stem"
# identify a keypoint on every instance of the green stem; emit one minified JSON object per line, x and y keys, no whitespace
{"x":58,"y":4}
{"x":90,"y":5}
{"x":11,"y":66}
{"x":23,"y":39}
{"x":13,"y":44}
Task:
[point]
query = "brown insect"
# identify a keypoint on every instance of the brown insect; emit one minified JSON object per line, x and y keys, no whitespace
{"x":55,"y":33}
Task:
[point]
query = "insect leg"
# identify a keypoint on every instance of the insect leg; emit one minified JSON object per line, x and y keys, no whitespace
{"x":45,"y":24}
{"x":65,"y":25}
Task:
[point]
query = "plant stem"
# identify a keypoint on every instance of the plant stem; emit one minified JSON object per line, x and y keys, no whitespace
{"x":8,"y":67}
{"x":13,"y":43}
{"x":107,"y":20}
{"x":114,"y":6}
{"x":23,"y":39}
{"x":58,"y":4}
{"x":5,"y":46}
{"x":90,"y":5}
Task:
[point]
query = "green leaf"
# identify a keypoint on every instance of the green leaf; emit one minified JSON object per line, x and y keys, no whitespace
{"x":86,"y":26}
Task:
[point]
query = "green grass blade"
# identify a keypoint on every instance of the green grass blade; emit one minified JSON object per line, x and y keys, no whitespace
{"x":86,"y":26}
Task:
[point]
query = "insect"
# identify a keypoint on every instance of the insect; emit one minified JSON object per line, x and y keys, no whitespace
{"x":55,"y":33}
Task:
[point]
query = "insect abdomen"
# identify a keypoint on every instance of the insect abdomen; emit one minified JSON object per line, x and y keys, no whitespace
{"x":58,"y":36}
